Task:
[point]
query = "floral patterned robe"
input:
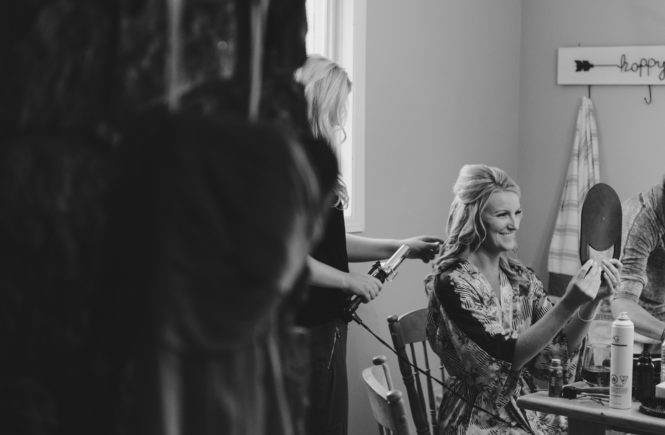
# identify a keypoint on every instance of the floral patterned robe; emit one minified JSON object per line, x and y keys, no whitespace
{"x":475,"y":337}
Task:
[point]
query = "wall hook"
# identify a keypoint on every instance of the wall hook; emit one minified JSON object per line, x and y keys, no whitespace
{"x":650,"y":98}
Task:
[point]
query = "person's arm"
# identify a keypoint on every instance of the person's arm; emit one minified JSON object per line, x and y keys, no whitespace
{"x":644,"y":322}
{"x":363,"y":285}
{"x":582,"y":289}
{"x":641,"y":239}
{"x":578,"y":326}
{"x":576,"y":329}
{"x":360,"y":248}
{"x":541,"y":333}
{"x":473,"y":314}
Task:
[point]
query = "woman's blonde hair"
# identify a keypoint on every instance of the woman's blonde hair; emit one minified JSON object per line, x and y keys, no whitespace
{"x":327,"y":87}
{"x":466,"y":229}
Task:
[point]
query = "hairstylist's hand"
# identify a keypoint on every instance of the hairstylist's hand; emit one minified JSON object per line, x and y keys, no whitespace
{"x":423,"y":247}
{"x":584,"y":286}
{"x":363,"y":285}
{"x":610,"y":278}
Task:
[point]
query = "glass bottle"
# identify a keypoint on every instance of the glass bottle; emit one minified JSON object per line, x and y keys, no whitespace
{"x":555,"y":378}
{"x":644,"y":377}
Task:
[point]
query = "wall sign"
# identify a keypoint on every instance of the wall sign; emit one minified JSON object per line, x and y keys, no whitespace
{"x":632,"y":65}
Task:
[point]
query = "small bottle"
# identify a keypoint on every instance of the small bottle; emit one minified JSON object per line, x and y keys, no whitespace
{"x":662,"y":362}
{"x":621,"y":363}
{"x":644,"y":377}
{"x":555,"y":378}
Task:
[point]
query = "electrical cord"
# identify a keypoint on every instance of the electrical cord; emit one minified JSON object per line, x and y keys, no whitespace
{"x":359,"y":321}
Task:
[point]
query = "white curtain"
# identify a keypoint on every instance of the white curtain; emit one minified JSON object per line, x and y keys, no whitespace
{"x":583,"y":172}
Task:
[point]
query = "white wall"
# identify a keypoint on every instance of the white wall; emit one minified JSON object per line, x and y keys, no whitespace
{"x":442,"y":90}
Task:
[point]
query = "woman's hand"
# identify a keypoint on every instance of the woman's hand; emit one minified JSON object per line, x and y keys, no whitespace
{"x":363,"y":285}
{"x":423,"y":247}
{"x":584,"y":286}
{"x":610,"y":278}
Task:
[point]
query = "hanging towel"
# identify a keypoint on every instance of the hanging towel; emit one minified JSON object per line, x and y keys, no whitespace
{"x":583,"y":172}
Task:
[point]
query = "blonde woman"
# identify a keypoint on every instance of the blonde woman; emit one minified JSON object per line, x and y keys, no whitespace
{"x":327,"y":87}
{"x":490,"y":320}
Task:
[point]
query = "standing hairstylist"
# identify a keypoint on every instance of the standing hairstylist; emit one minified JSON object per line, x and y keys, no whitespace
{"x":327,"y":87}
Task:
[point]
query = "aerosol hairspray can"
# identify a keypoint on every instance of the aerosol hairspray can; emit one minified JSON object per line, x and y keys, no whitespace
{"x":621,"y":363}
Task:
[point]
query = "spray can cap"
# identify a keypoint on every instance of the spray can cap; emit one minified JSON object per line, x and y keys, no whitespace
{"x":623,"y":316}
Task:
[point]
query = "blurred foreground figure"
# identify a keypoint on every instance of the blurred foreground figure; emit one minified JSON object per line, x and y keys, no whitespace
{"x":155,"y":218}
{"x":54,"y":190}
{"x":218,"y":228}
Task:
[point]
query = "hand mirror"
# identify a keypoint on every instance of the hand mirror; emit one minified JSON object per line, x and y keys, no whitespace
{"x":600,"y":223}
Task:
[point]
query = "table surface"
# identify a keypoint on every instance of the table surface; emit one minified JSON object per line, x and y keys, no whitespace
{"x":586,"y":409}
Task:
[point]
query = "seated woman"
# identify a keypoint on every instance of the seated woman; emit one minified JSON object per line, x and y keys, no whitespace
{"x":490,"y":320}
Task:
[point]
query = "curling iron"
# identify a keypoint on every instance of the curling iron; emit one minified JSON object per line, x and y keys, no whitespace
{"x":383,"y":271}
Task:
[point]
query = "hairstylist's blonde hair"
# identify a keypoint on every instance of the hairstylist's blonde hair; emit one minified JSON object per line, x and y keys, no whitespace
{"x":327,"y":87}
{"x":466,"y":229}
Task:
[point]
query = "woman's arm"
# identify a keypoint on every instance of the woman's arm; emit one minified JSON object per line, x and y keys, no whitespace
{"x":360,"y":248}
{"x":469,"y":310}
{"x":645,"y":323}
{"x":540,"y":334}
{"x":363,"y":285}
{"x":582,"y":293}
{"x":578,"y":326}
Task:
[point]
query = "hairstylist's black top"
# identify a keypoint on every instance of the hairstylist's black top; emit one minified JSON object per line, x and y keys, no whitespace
{"x":324,"y":304}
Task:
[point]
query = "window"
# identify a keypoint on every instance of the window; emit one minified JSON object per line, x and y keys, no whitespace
{"x":336,"y":30}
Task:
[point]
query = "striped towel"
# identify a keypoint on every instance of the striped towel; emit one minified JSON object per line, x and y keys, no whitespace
{"x":583,"y":172}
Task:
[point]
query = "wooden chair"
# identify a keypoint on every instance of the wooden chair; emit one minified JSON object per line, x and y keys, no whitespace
{"x":387,"y":404}
{"x":409,"y":330}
